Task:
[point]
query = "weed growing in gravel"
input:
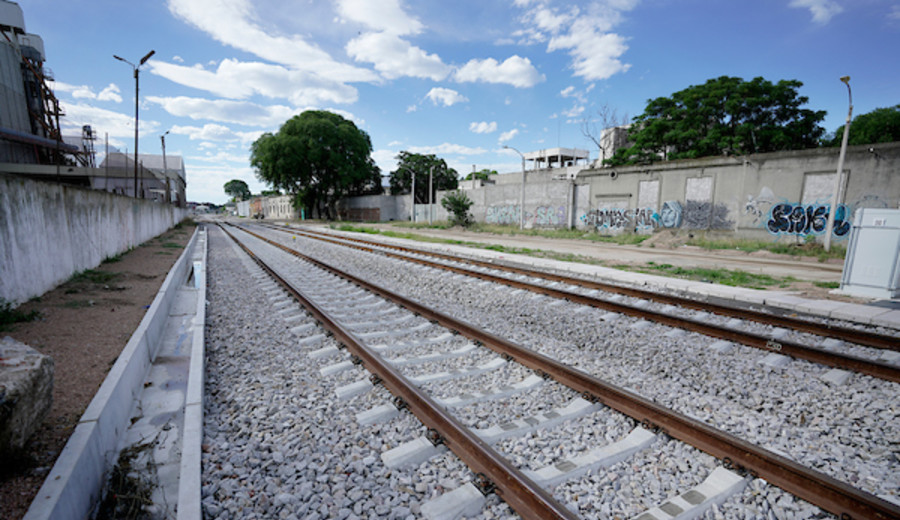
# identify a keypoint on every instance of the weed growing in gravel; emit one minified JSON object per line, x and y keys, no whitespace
{"x":827,"y":285}
{"x":171,"y":245}
{"x":9,"y":315}
{"x":736,"y":278}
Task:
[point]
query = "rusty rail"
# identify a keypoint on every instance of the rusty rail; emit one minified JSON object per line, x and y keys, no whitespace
{"x":811,"y":485}
{"x":860,"y":337}
{"x":521,"y":493}
{"x":796,"y":350}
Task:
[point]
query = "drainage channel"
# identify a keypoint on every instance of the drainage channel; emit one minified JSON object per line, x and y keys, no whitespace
{"x":746,"y":458}
{"x":770,"y":343}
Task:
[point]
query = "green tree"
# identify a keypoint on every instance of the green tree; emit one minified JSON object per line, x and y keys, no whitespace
{"x":881,"y":125}
{"x":318,"y":157}
{"x":443,"y":177}
{"x":725,"y":115}
{"x":482,"y":175}
{"x":457,"y":204}
{"x":237,"y":190}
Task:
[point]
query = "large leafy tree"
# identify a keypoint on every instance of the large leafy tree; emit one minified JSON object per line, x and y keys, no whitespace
{"x":881,"y":125}
{"x":443,"y":177}
{"x":725,"y":115}
{"x":319,"y":157}
{"x":237,"y":190}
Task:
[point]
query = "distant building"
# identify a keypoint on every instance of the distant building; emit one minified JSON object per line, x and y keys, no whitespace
{"x":156,"y":181}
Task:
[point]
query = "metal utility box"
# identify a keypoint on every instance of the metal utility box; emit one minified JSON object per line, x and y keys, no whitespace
{"x":872,"y":264}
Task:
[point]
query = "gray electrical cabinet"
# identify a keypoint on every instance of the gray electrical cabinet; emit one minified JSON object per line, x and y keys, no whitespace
{"x":872,"y":264}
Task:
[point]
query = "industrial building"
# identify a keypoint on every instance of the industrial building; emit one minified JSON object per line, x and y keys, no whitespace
{"x":31,"y":139}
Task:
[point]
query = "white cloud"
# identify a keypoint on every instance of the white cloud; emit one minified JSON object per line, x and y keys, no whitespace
{"x":507,"y":136}
{"x":385,"y":16}
{"x":177,"y":59}
{"x":445,"y":96}
{"x":587,"y":36}
{"x":483,"y":127}
{"x":226,"y":111}
{"x":110,"y":93}
{"x":447,"y":148}
{"x":567,"y":92}
{"x":102,"y":121}
{"x":411,"y":108}
{"x":239,"y":80}
{"x":236,"y":23}
{"x":215,"y":132}
{"x":515,"y":71}
{"x":394,"y":57}
{"x":822,"y":10}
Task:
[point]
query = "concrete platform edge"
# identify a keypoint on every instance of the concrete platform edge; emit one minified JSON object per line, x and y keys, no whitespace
{"x":75,"y":482}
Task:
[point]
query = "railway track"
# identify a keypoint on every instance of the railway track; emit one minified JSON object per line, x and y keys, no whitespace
{"x":864,"y":361}
{"x":414,"y":351}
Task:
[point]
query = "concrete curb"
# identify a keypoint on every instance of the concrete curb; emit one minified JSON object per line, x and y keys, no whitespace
{"x":189,"y":482}
{"x":73,"y":487}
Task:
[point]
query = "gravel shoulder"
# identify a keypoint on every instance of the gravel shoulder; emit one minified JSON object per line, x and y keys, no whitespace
{"x":84,"y":324}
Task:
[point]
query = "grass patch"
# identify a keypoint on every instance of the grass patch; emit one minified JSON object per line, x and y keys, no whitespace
{"x":827,"y":285}
{"x":171,"y":245}
{"x":10,"y":316}
{"x":78,"y":304}
{"x":93,"y":276}
{"x":568,"y":234}
{"x":736,"y":278}
{"x":805,"y":248}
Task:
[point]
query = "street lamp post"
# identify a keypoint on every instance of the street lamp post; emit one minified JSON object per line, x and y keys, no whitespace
{"x":522,"y":198}
{"x":412,"y":173}
{"x":165,"y":167}
{"x":835,"y":199}
{"x":430,"y":196}
{"x":137,"y":69}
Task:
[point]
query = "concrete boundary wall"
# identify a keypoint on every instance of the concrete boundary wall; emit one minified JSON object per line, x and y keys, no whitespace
{"x":48,"y":232}
{"x":775,"y":196}
{"x":73,"y":487}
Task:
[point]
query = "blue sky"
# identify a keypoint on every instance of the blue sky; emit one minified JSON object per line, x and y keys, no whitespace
{"x":458,"y":79}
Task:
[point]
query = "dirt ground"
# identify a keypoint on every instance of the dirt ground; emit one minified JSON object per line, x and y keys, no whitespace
{"x":84,"y":324}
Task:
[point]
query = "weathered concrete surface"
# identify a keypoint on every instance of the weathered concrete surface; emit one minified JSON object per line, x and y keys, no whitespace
{"x":48,"y":232}
{"x":26,"y":392}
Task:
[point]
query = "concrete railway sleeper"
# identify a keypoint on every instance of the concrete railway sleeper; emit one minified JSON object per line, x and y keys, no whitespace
{"x":842,"y":333}
{"x":658,"y":422}
{"x":773,"y":342}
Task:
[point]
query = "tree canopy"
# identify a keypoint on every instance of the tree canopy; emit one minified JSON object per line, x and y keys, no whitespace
{"x":444,"y":177}
{"x":725,"y":115}
{"x":237,"y":190}
{"x":318,"y":157}
{"x":482,"y":175}
{"x":881,"y":125}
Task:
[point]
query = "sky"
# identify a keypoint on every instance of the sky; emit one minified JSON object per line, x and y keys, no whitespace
{"x":459,"y":79}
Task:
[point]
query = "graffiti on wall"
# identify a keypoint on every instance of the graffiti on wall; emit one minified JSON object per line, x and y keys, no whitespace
{"x":671,"y":214}
{"x":700,"y":214}
{"x":502,"y":214}
{"x":547,"y":216}
{"x":621,"y":219}
{"x":804,"y":219}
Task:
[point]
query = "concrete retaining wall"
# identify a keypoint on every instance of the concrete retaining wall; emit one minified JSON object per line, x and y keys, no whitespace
{"x":778,"y":196}
{"x":48,"y":232}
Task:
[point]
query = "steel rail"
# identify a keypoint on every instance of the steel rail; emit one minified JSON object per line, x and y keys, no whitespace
{"x":860,"y":337}
{"x":522,"y":494}
{"x":796,"y":350}
{"x":813,"y":486}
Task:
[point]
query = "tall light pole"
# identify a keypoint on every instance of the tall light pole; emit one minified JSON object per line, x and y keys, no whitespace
{"x":137,"y":69}
{"x":430,"y":196}
{"x":829,"y":226}
{"x":165,"y":167}
{"x":522,"y":198}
